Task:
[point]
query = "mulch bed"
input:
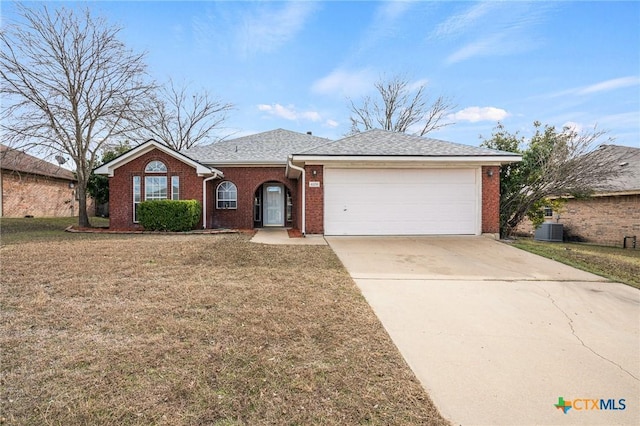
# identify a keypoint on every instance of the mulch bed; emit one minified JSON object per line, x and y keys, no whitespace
{"x":294,"y":233}
{"x":103,"y":230}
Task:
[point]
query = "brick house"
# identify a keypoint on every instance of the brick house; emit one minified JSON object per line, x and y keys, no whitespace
{"x":373,"y":183}
{"x":34,"y":187}
{"x":613,"y":211}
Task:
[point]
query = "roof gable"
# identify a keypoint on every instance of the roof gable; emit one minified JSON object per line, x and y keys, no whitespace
{"x":15,"y":160}
{"x":379,"y":142}
{"x":272,"y":147}
{"x":109,"y":168}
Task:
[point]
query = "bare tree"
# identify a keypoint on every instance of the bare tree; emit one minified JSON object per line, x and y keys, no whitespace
{"x":182,"y":119}
{"x":399,"y":108}
{"x":69,"y":86}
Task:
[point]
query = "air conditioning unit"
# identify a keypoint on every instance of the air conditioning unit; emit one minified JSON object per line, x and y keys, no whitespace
{"x":549,"y":232}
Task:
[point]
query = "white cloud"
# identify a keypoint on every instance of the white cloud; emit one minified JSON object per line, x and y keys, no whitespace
{"x":474,"y":114}
{"x":616,"y":83}
{"x":393,"y":10}
{"x":417,"y":84}
{"x":483,"y":47}
{"x":603,"y":86}
{"x":265,"y":29}
{"x":493,"y":28}
{"x":458,"y":23}
{"x":331,"y":123}
{"x":624,"y":119}
{"x":345,"y":83}
{"x":289,"y":112}
{"x":252,"y":27}
{"x":573,"y":126}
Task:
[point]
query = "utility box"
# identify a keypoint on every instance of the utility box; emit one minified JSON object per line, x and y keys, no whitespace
{"x":549,"y":232}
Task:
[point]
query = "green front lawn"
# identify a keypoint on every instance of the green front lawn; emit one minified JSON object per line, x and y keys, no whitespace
{"x":614,"y":263}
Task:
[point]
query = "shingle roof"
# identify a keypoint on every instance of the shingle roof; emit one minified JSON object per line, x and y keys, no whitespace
{"x":272,"y":147}
{"x":628,"y":161}
{"x":18,"y":161}
{"x":386,"y":143}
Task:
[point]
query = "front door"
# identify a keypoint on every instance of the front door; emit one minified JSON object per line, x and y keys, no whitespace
{"x":273,"y":201}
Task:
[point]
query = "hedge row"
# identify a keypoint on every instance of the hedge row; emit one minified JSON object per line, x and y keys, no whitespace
{"x":169,"y":215}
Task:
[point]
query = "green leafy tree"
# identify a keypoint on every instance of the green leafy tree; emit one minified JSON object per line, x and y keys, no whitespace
{"x":98,"y":185}
{"x":554,"y":164}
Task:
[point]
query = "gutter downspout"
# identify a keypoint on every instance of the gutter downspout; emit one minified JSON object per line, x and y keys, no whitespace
{"x":204,"y":198}
{"x":304,"y":197}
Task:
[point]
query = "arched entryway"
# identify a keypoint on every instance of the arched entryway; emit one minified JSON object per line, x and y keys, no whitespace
{"x":272,"y":205}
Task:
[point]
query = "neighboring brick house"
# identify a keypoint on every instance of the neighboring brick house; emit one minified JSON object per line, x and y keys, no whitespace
{"x":373,"y":183}
{"x":612,"y":212}
{"x":34,"y":187}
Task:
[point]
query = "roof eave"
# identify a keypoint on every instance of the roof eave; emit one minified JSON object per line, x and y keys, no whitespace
{"x":110,"y":167}
{"x":245,"y":163}
{"x":467,"y":159}
{"x":620,"y":193}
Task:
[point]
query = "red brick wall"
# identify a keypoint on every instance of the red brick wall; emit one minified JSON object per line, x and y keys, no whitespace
{"x":491,"y":200}
{"x":40,"y":196}
{"x":598,"y":220}
{"x":602,"y":220}
{"x":247,"y":180}
{"x":314,"y":200}
{"x":121,"y":186}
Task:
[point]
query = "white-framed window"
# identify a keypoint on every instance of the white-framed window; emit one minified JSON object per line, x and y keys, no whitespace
{"x":155,"y":166}
{"x":137,"y":197}
{"x":227,"y":196}
{"x":289,"y":214}
{"x":548,"y":211}
{"x":155,"y":187}
{"x":175,"y":187}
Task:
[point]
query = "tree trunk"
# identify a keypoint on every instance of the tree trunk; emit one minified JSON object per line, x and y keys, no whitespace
{"x":83,"y":217}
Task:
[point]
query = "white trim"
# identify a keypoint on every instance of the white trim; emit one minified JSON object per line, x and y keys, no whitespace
{"x":133,"y":190}
{"x":236,"y":163}
{"x":373,"y":159}
{"x":479,"y":184}
{"x":304,"y":192}
{"x":218,"y":195}
{"x":283,"y":204}
{"x":204,"y":199}
{"x":173,"y":194}
{"x":155,"y":171}
{"x":110,"y":167}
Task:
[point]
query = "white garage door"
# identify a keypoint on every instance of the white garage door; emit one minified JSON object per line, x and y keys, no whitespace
{"x":401,"y":201}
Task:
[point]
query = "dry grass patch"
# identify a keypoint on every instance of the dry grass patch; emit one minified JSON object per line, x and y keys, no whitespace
{"x":194,"y":329}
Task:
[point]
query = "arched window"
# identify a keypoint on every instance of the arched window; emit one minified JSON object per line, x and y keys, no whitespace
{"x":154,"y":184}
{"x":227,"y":196}
{"x":155,"y":166}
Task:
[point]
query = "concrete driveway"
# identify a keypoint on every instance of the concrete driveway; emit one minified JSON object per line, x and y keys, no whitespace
{"x":497,"y":335}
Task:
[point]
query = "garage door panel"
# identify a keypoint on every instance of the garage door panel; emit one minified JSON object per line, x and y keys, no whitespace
{"x":400,"y":201}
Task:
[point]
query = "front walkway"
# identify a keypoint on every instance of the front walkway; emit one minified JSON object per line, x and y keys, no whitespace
{"x":279,"y":236}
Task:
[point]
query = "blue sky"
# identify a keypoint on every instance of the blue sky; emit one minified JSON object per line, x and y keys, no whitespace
{"x":292,"y":65}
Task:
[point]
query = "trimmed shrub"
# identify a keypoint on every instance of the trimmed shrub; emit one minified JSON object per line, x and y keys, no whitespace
{"x":169,"y":215}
